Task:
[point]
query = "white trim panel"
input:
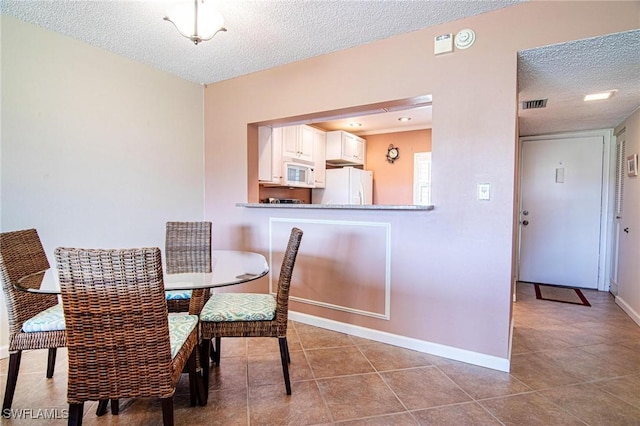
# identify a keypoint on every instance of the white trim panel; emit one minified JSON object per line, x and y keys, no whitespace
{"x":386,"y":226}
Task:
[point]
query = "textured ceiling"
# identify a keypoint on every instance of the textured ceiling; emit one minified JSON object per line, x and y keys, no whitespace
{"x":565,"y":73}
{"x":261,"y":34}
{"x":267,"y":33}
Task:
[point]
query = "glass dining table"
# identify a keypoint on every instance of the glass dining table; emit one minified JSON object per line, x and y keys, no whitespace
{"x":229,"y":267}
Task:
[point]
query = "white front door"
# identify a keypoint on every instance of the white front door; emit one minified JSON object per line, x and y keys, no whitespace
{"x":560,"y":211}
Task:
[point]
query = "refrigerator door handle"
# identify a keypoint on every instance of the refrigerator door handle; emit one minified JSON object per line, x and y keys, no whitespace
{"x":361,"y":193}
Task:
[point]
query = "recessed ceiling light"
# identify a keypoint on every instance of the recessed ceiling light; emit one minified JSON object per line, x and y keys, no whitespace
{"x":355,"y":124}
{"x":600,"y":96}
{"x":404,"y":119}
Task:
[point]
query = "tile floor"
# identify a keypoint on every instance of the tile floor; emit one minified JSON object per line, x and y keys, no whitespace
{"x":571,"y":365}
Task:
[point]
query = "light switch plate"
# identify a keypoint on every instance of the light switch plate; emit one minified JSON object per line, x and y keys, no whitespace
{"x":484,"y":191}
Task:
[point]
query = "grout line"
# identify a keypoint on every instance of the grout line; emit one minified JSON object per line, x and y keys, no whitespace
{"x":561,"y":408}
{"x":385,"y":382}
{"x":379,"y":416}
{"x":617,"y":397}
{"x":313,"y":376}
{"x":489,"y":412}
{"x":455,"y":383}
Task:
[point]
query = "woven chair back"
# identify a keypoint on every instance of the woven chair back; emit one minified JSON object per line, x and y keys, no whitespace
{"x":117,"y":327}
{"x":188,"y":247}
{"x":21,"y":254}
{"x":286,"y":271}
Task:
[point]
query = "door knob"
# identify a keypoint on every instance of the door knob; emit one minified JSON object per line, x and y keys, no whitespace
{"x":525,"y":222}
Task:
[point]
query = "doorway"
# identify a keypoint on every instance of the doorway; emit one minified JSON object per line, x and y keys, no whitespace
{"x":564,"y":187}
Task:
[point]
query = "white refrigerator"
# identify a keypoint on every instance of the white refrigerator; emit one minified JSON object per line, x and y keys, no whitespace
{"x":345,"y":185}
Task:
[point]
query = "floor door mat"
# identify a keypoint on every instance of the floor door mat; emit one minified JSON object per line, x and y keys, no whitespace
{"x":560,"y":294}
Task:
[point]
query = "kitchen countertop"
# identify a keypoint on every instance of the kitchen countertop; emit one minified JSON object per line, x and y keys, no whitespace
{"x":335,"y":206}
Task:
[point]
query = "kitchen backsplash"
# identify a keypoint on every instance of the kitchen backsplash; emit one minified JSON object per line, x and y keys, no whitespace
{"x":303,"y":194}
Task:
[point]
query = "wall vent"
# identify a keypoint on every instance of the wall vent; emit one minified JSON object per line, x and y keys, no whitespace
{"x":536,"y":103}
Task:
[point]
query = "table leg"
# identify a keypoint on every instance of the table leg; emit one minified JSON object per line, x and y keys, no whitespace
{"x":198,"y":298}
{"x":203,"y":383}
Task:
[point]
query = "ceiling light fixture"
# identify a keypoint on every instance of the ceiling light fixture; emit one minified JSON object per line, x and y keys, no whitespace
{"x":600,"y":96}
{"x":196,"y":20}
{"x":404,"y":119}
{"x":355,"y":124}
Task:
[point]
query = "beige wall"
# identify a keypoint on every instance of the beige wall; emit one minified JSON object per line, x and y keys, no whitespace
{"x":393,"y":183}
{"x":451,"y":269}
{"x":97,"y":150}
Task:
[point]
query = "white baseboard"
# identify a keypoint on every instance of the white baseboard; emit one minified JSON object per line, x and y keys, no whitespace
{"x":475,"y":358}
{"x":628,"y":309}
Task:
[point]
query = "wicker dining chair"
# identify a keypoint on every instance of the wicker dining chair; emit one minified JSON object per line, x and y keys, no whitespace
{"x":187,"y":249}
{"x":121,"y":341}
{"x":36,"y":321}
{"x":253,"y":314}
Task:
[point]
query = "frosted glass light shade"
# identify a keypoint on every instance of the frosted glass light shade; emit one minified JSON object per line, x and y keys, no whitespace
{"x":196,"y":20}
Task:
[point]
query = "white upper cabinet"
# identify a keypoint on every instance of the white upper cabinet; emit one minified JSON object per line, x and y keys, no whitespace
{"x":319,"y":150}
{"x":297,"y":142}
{"x":270,"y":155}
{"x":279,"y":145}
{"x":345,"y":149}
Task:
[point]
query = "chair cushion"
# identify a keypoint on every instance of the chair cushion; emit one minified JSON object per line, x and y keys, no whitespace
{"x":180,"y":326}
{"x":51,"y":319}
{"x":178,"y":294}
{"x":239,"y":307}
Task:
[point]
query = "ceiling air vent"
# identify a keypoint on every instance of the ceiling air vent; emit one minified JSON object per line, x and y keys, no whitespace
{"x":536,"y":103}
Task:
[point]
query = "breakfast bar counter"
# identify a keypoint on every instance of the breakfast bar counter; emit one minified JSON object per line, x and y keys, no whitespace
{"x":351,"y":256}
{"x":370,"y":271}
{"x":336,"y":206}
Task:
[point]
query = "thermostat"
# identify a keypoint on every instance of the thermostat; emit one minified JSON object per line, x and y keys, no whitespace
{"x":465,"y":38}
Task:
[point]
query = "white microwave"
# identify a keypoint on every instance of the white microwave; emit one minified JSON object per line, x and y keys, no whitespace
{"x":298,"y":175}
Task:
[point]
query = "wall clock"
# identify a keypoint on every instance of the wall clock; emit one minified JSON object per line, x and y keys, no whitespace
{"x":392,"y":154}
